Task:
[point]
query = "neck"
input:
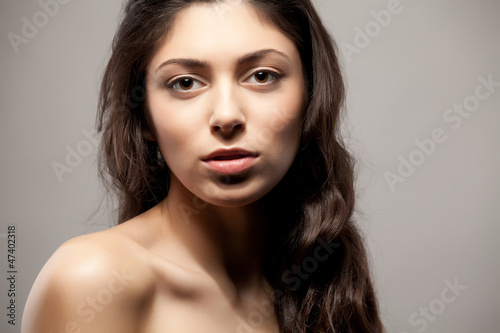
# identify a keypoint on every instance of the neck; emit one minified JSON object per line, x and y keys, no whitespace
{"x":225,"y":242}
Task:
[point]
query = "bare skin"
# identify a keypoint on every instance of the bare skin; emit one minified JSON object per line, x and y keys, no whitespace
{"x":193,"y":262}
{"x":138,"y":277}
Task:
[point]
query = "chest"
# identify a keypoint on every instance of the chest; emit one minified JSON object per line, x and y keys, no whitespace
{"x":168,"y":314}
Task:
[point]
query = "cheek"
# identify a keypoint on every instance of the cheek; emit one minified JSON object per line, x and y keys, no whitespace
{"x":174,"y":128}
{"x":287,"y":116}
{"x":281,"y":127}
{"x":288,"y":132}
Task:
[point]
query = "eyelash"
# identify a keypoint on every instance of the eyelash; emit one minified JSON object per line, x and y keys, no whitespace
{"x":275,"y":74}
{"x":177,"y":81}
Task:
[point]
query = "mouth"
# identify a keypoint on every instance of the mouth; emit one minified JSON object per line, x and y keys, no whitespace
{"x":230,"y":161}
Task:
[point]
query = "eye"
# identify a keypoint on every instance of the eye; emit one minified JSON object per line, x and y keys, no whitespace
{"x":185,"y":84}
{"x":262,"y":77}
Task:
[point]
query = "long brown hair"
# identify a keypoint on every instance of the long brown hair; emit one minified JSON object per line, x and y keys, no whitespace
{"x":333,"y":292}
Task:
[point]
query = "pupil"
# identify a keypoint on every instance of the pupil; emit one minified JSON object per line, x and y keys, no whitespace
{"x":186,"y":83}
{"x":261,"y":76}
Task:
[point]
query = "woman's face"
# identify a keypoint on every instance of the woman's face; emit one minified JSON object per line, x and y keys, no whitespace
{"x":225,"y":93}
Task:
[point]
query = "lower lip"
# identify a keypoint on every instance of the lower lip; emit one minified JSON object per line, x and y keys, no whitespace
{"x":231,"y":166}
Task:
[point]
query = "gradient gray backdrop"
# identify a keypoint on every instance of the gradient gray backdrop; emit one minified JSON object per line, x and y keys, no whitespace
{"x":438,"y":227}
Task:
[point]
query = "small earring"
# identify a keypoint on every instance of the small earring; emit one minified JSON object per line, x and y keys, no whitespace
{"x":159,"y":156}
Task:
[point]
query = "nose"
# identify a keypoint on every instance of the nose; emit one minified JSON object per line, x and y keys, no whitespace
{"x":228,"y":118}
{"x":227,"y":128}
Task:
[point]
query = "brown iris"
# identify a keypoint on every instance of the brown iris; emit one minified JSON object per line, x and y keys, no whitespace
{"x":186,"y":84}
{"x":262,"y":77}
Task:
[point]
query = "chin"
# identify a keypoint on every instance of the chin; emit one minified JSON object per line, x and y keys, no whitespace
{"x":233,"y":196}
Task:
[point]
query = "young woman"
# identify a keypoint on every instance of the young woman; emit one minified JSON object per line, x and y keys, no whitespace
{"x":220,"y":136}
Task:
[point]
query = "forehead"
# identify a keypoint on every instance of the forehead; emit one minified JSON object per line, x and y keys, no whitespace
{"x":220,"y":31}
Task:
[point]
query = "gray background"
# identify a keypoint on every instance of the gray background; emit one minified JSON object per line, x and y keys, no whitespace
{"x":440,"y":224}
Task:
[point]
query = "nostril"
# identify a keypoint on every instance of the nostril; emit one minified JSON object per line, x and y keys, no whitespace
{"x":228,"y":129}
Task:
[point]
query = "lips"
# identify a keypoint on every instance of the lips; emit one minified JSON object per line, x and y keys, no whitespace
{"x":230,"y":161}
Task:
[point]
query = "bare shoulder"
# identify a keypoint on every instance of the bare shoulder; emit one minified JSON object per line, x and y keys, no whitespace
{"x":88,"y":284}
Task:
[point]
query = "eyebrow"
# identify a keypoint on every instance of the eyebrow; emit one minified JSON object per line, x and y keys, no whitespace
{"x":190,"y":62}
{"x":259,"y":54}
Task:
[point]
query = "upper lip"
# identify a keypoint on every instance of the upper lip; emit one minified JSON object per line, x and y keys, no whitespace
{"x":229,"y":154}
